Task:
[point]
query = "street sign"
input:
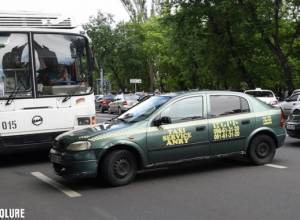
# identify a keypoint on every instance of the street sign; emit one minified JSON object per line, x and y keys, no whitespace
{"x":135,"y":81}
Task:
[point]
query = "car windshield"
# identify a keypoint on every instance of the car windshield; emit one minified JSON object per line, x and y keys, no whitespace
{"x":144,"y":109}
{"x":260,"y":93}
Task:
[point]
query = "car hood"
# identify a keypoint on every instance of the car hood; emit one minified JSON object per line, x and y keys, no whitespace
{"x":63,"y":140}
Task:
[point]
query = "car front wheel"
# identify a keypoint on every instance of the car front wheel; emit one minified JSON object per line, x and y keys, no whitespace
{"x":262,"y":150}
{"x":118,"y":168}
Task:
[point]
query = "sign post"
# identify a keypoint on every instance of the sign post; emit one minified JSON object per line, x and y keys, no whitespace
{"x":135,"y":81}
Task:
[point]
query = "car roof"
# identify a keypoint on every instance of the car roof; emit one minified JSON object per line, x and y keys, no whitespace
{"x":204,"y":92}
{"x":258,"y":90}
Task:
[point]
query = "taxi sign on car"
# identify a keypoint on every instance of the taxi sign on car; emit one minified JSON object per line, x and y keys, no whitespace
{"x":168,"y":129}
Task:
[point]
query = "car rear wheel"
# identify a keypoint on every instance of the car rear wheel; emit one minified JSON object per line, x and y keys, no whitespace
{"x":118,"y":168}
{"x":262,"y":150}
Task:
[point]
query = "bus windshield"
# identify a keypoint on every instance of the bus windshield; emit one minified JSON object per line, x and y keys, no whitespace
{"x":61,"y":63}
{"x":15,"y":74}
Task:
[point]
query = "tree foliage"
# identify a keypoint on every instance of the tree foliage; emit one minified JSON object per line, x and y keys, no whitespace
{"x":204,"y":44}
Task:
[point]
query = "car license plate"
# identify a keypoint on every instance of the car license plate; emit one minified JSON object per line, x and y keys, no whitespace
{"x":56,"y":158}
{"x":290,"y":127}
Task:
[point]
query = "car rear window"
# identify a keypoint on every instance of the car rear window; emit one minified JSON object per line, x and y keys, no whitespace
{"x":221,"y":105}
{"x":260,"y":93}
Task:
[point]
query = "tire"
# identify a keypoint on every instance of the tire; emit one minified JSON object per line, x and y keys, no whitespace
{"x":118,"y":168}
{"x":262,"y":149}
{"x":119,"y":111}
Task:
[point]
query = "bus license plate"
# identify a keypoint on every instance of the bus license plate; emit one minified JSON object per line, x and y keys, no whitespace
{"x":290,"y":127}
{"x":56,"y":158}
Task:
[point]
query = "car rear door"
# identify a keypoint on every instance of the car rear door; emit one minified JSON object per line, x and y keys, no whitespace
{"x":230,"y":122}
{"x":185,"y":137}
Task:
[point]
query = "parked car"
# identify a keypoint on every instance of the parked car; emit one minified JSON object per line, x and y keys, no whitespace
{"x":289,"y":103}
{"x":98,"y":98}
{"x":168,"y":129}
{"x":122,"y":103}
{"x":266,"y":96}
{"x":104,"y":102}
{"x":293,"y":123}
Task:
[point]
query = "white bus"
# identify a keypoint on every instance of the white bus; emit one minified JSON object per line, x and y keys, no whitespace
{"x":45,"y":79}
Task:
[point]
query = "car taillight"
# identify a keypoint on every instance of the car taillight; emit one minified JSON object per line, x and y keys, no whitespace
{"x":103,"y":102}
{"x":274,"y":103}
{"x":281,"y":120}
{"x":125,"y":103}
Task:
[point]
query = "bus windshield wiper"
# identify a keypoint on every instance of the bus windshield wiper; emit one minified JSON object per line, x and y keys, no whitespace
{"x":13,"y":95}
{"x":73,"y":93}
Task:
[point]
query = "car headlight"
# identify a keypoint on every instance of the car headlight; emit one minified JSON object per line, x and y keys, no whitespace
{"x":79,"y":146}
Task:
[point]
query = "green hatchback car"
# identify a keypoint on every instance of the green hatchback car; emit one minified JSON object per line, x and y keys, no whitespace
{"x":168,"y":129}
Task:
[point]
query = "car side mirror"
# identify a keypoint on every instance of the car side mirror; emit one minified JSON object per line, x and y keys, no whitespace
{"x":161,"y":121}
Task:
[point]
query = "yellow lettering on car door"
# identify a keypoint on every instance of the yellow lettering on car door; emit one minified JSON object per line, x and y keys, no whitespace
{"x":177,"y":136}
{"x":226,"y":130}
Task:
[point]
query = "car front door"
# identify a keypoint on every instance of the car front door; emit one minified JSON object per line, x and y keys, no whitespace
{"x":186,"y":134}
{"x":230,"y":122}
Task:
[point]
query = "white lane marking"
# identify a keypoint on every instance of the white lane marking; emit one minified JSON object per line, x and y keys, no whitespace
{"x":56,"y":185}
{"x":275,"y":166}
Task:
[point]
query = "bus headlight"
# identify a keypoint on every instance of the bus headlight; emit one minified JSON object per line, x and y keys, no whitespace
{"x":86,"y":120}
{"x":79,"y":146}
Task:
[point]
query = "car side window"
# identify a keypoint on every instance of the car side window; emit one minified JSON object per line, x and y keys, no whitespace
{"x":185,"y":110}
{"x":244,"y":105}
{"x":294,"y":98}
{"x":222,"y":105}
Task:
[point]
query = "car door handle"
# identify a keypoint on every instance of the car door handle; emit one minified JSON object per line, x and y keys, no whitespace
{"x":294,"y":103}
{"x":244,"y":122}
{"x":200,"y":128}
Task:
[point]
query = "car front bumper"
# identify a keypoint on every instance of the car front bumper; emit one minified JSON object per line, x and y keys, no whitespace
{"x":74,"y":164}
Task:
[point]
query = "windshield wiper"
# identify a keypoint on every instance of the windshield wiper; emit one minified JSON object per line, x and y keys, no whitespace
{"x":73,"y":93}
{"x":13,"y":95}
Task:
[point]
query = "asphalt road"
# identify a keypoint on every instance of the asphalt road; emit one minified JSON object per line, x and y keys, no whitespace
{"x":214,"y":189}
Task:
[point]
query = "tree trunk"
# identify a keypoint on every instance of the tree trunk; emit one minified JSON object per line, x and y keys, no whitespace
{"x":151,"y":75}
{"x":283,"y":62}
{"x":117,"y":78}
{"x":238,"y":61}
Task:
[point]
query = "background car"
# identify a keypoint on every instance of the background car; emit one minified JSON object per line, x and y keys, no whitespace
{"x":104,"y":102}
{"x":122,"y":103}
{"x":289,"y":103}
{"x":266,"y":96}
{"x":98,"y":98}
{"x":292,"y":124}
